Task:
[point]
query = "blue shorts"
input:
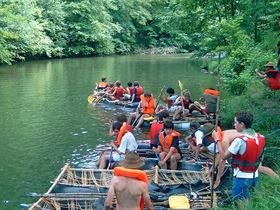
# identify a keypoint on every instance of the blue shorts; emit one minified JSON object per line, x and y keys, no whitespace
{"x":242,"y":187}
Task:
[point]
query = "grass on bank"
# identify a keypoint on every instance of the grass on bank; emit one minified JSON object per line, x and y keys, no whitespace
{"x":265,"y":197}
{"x":265,"y":106}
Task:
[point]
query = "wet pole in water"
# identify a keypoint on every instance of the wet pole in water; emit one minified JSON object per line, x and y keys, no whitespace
{"x":110,"y":159}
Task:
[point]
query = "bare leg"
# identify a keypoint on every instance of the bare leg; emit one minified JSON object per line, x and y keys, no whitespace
{"x":159,"y":109}
{"x":98,"y":161}
{"x":103,"y":160}
{"x":177,"y":113}
{"x":131,"y":115}
{"x":162,"y":156}
{"x":228,"y":136}
{"x":191,"y":144}
{"x":173,"y":161}
{"x":221,"y":168}
{"x":141,"y":120}
{"x":193,"y":107}
{"x":268,"y":171}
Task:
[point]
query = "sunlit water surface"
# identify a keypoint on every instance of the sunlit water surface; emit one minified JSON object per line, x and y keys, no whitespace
{"x":46,"y":121}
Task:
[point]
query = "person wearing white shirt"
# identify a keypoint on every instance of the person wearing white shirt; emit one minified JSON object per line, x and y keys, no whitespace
{"x":128,"y":144}
{"x":247,"y":153}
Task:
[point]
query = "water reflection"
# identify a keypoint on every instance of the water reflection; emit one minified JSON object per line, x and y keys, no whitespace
{"x":46,"y":120}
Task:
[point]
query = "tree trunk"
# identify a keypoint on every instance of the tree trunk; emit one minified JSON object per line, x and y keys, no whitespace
{"x":255,"y":2}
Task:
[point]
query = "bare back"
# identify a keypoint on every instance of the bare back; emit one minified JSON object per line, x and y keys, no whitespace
{"x":128,"y":193}
{"x":228,"y":137}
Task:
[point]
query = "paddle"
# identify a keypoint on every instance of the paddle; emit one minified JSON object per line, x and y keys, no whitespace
{"x":98,"y":99}
{"x":159,"y":96}
{"x":90,"y":98}
{"x":110,"y":159}
{"x":181,"y":88}
{"x":206,"y":115}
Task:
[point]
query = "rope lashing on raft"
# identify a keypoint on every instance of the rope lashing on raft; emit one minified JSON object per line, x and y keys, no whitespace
{"x":102,"y":177}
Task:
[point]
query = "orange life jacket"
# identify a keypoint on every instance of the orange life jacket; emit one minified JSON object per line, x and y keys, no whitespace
{"x":134,"y":174}
{"x":102,"y":85}
{"x":211,"y":92}
{"x":148,"y":107}
{"x":220,"y":133}
{"x":167,"y":141}
{"x":125,"y":127}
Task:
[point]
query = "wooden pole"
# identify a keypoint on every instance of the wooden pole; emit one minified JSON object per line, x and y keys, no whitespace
{"x":182,"y":102}
{"x":215,"y":143}
{"x":51,"y":188}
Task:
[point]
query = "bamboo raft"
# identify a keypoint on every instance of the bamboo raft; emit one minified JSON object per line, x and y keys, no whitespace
{"x":144,"y":150}
{"x":162,"y":177}
{"x":184,"y":123}
{"x":81,"y":181}
{"x":90,"y":202}
{"x":126,"y":104}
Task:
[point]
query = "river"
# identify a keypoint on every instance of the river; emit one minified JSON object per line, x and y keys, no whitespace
{"x":46,"y":121}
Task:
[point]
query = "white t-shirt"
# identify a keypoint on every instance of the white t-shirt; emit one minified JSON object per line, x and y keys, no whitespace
{"x":198,"y":136}
{"x":128,"y":143}
{"x":238,"y":146}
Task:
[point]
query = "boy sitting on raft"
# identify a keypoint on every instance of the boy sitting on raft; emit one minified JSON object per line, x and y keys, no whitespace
{"x":168,"y":146}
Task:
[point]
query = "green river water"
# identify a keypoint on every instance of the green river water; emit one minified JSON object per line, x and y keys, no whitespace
{"x":46,"y":121}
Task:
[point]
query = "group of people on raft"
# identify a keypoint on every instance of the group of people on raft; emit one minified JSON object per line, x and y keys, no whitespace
{"x":242,"y":144}
{"x":177,"y":105}
{"x":116,"y":92}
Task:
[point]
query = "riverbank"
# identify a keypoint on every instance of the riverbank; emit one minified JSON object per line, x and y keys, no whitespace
{"x":264,"y":104}
{"x":265,"y":197}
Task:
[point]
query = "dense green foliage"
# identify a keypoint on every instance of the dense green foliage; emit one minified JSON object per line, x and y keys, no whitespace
{"x":96,"y":27}
{"x":245,"y":33}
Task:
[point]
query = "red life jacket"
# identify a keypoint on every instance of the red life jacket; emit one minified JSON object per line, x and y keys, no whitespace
{"x":154,"y":130}
{"x":134,"y":174}
{"x":139,"y":92}
{"x":148,"y":107}
{"x":274,"y":79}
{"x":186,"y":103}
{"x":250,"y":160}
{"x":169,"y":103}
{"x":119,"y":93}
{"x":130,"y":90}
{"x":167,"y":141}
